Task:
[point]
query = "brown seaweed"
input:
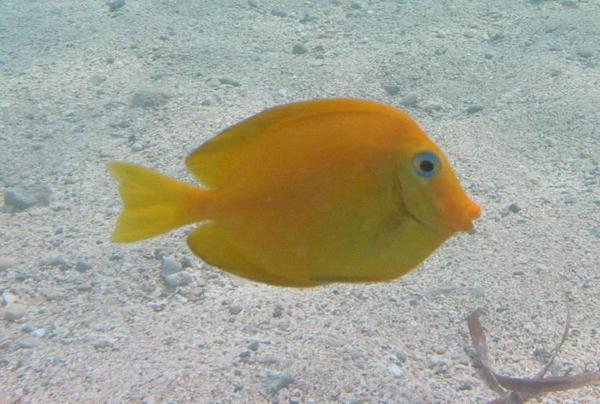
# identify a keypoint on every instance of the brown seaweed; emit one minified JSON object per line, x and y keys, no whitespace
{"x":518,"y":389}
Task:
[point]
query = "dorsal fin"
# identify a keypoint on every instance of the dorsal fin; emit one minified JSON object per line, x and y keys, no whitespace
{"x":211,"y":162}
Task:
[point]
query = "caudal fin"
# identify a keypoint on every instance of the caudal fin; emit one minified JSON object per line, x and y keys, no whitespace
{"x":153,"y":203}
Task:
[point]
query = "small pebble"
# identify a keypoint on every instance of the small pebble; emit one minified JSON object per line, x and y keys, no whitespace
{"x":465,"y":386}
{"x":17,"y":202}
{"x":584,"y":53}
{"x":28,"y":342}
{"x":103,"y":343}
{"x":308,"y":17}
{"x":278,"y":311}
{"x":57,"y":261}
{"x":431,"y":106}
{"x":235,"y":309}
{"x":541,"y":355}
{"x":149,"y":100}
{"x":395,"y":370}
{"x":116,"y":256}
{"x":472,"y":109}
{"x":158,"y":306}
{"x":229,"y":82}
{"x":177,"y":280}
{"x":97,"y":80}
{"x":278,"y":13}
{"x":514,"y":207}
{"x":9,"y":298}
{"x":82,"y":266}
{"x":15,"y":311}
{"x":409,"y":100}
{"x":391,"y":89}
{"x":358,"y":4}
{"x":115,"y":5}
{"x":188,"y":262}
{"x":273,"y":382}
{"x":169,"y":266}
{"x":299,"y":49}
{"x":40,"y":332}
{"x":7,"y":262}
{"x":569,"y":3}
{"x":253,"y":346}
{"x":137,"y":147}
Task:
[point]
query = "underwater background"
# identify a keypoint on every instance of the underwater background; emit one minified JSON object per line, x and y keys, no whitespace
{"x":510,"y":90}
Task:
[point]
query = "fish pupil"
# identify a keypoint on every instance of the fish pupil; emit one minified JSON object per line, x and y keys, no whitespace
{"x":426,"y":165}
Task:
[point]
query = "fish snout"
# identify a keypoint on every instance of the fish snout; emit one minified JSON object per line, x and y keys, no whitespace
{"x":464,"y":219}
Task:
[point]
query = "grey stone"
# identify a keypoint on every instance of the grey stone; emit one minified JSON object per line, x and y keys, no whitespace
{"x":472,"y":109}
{"x":273,"y":382}
{"x":308,"y":17}
{"x":178,"y":279}
{"x":409,"y":100}
{"x":15,"y":201}
{"x":149,"y":100}
{"x":97,"y":79}
{"x":103,"y":343}
{"x":358,"y":4}
{"x":395,"y":370}
{"x":15,"y":311}
{"x":541,"y":355}
{"x":391,"y":89}
{"x":229,"y":82}
{"x":40,"y":332}
{"x":82,"y":266}
{"x":169,"y":266}
{"x":299,"y":49}
{"x":278,"y":311}
{"x":7,"y":262}
{"x":514,"y":207}
{"x":116,"y":256}
{"x":235,"y":309}
{"x":278,"y":13}
{"x":158,"y":306}
{"x":253,"y":346}
{"x":464,"y":385}
{"x":9,"y":298}
{"x":188,"y":262}
{"x":115,"y":5}
{"x":585,"y":53}
{"x":57,"y":261}
{"x":28,"y":342}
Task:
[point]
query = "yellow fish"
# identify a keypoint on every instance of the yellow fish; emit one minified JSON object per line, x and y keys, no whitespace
{"x":306,"y":194}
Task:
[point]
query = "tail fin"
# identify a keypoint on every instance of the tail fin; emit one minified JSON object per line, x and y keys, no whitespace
{"x":153,"y":203}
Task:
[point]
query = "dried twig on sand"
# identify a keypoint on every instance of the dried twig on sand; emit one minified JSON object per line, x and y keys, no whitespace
{"x":520,"y":389}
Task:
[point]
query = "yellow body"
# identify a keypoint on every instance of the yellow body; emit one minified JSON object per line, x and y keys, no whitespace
{"x":305,"y":194}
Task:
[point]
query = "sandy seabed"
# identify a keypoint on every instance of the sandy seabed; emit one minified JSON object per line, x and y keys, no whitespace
{"x":509,"y":90}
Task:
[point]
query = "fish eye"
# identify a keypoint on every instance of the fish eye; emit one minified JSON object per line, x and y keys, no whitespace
{"x":426,"y":164}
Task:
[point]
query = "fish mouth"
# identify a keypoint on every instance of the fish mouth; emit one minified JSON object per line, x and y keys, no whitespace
{"x":457,"y":221}
{"x":463,"y":222}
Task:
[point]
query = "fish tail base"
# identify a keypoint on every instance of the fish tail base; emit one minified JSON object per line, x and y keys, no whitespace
{"x":153,"y":203}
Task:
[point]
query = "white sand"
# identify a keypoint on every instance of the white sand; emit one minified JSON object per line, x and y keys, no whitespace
{"x":65,"y":111}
